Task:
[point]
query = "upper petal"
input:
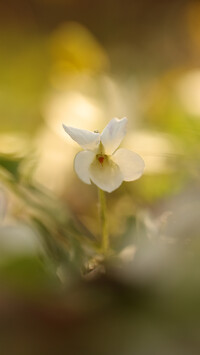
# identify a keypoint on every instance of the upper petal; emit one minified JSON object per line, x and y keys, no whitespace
{"x":130,"y":164}
{"x":106,"y":176}
{"x":113,"y":134}
{"x":86,"y":139}
{"x":82,"y":163}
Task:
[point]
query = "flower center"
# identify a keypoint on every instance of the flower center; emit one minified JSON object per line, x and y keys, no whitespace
{"x":101,"y":159}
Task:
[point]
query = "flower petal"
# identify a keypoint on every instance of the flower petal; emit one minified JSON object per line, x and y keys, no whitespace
{"x":113,"y":134}
{"x":82,"y":163}
{"x":86,"y":139}
{"x":106,"y":176}
{"x":130,"y":164}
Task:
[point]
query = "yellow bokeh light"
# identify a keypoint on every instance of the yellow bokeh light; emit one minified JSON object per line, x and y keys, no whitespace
{"x":188,"y":90}
{"x":73,"y":109}
{"x":154,"y":147}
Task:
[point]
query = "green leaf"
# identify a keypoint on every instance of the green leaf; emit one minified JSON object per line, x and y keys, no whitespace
{"x":11,"y":164}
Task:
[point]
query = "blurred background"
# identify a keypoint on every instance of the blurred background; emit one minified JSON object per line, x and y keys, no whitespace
{"x":82,"y":63}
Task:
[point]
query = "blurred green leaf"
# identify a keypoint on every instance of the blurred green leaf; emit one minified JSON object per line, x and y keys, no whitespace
{"x":28,"y":273}
{"x":12,"y":165}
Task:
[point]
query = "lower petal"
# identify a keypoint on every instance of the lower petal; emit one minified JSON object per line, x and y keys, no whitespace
{"x":130,"y":164}
{"x":82,"y":163}
{"x":106,"y":176}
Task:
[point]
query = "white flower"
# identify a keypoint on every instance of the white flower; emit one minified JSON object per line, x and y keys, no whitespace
{"x":100,"y":161}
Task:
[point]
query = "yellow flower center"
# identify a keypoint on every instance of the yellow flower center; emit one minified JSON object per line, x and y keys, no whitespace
{"x":101,"y":159}
{"x":100,"y":156}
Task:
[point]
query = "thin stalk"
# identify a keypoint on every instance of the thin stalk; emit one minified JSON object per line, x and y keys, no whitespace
{"x":103,"y":221}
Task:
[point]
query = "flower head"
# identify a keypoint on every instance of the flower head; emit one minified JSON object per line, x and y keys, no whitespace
{"x":100,"y":161}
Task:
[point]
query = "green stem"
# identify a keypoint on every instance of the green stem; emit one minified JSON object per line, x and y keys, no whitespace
{"x":103,"y":221}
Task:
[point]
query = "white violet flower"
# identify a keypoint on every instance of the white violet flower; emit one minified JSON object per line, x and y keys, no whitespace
{"x":100,"y":161}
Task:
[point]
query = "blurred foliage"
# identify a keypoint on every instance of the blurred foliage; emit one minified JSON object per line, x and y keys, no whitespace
{"x":146,"y":290}
{"x":24,"y":77}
